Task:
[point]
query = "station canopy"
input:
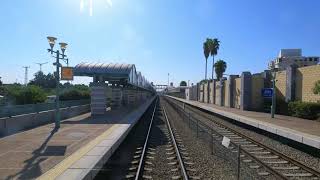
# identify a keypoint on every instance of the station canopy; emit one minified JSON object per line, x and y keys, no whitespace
{"x":109,"y":71}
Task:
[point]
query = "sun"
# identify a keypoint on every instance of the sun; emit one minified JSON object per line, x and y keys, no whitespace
{"x":89,"y":3}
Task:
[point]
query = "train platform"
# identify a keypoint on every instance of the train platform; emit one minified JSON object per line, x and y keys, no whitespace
{"x":300,"y":130}
{"x":76,"y":151}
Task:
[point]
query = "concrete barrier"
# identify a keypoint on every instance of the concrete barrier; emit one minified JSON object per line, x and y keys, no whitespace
{"x":14,"y":124}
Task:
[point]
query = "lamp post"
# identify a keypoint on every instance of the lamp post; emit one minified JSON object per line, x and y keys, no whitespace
{"x":63,"y":46}
{"x":273,"y":106}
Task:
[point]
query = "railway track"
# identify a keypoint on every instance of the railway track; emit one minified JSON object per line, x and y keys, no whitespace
{"x":160,"y":132}
{"x":267,"y":161}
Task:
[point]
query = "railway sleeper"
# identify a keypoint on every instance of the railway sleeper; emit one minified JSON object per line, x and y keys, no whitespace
{"x":268,"y":157}
{"x":176,"y":177}
{"x":254,"y":166}
{"x":265,"y":173}
{"x":276,"y":162}
{"x":259,"y":152}
{"x":298,"y":174}
{"x":286,"y":168}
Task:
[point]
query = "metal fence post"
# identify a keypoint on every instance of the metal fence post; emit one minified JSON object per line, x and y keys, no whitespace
{"x":189,"y":119}
{"x":211,"y":134}
{"x":197,"y":128}
{"x":238,"y":164}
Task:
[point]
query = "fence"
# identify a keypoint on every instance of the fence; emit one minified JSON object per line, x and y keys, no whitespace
{"x":231,"y":153}
{"x":13,"y":110}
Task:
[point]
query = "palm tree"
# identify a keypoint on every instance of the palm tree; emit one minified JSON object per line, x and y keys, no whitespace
{"x":214,"y":45}
{"x":206,"y":52}
{"x":220,"y":67}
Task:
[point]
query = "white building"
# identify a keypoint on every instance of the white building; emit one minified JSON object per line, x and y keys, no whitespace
{"x":288,"y":57}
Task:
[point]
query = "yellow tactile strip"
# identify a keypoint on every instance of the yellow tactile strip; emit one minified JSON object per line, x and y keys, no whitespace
{"x":66,"y":163}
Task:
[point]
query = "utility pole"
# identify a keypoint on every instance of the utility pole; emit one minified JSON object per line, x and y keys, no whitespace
{"x":168,"y":79}
{"x":40,"y":64}
{"x":26,"y":74}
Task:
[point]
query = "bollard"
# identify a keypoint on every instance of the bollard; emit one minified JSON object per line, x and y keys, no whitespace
{"x":238,"y":168}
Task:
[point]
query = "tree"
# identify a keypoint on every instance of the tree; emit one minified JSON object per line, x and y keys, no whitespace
{"x":183,"y":83}
{"x":45,"y":81}
{"x":214,"y":45}
{"x":316,"y":88}
{"x":220,"y":68}
{"x":0,"y":82}
{"x":206,"y":52}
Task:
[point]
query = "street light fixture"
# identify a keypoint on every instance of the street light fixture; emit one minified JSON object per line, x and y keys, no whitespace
{"x":52,"y":41}
{"x":63,"y":46}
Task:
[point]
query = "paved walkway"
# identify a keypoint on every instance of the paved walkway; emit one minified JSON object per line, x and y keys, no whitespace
{"x":29,"y":154}
{"x":301,"y":130}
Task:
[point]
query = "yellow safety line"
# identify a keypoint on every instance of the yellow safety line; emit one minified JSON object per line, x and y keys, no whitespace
{"x":67,"y":162}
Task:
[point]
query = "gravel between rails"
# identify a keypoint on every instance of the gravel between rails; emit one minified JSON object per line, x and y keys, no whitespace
{"x":207,"y":166}
{"x":296,"y":154}
{"x":119,"y":163}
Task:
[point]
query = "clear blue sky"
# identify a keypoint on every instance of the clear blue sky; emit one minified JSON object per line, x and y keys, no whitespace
{"x":158,"y":36}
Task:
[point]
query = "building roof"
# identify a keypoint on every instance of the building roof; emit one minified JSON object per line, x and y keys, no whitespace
{"x":90,"y":69}
{"x":290,"y":53}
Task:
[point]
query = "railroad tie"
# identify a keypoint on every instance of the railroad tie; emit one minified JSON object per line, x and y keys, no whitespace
{"x":298,"y":174}
{"x":147,"y":169}
{"x":286,"y":168}
{"x":263,"y":173}
{"x":174,"y":170}
{"x":146,"y":177}
{"x":172,"y":158}
{"x":259,"y":152}
{"x":176,"y":177}
{"x":254,"y":166}
{"x":276,"y":162}
{"x":268,"y":157}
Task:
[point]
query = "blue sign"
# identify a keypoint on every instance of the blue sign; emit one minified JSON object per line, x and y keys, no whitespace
{"x":267,"y":92}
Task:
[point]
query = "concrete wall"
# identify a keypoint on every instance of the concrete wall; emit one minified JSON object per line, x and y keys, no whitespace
{"x":219,"y":94}
{"x":236,"y":92}
{"x":226,"y":99}
{"x":211,"y":92}
{"x":206,"y":93}
{"x":257,"y":85}
{"x":281,"y":85}
{"x":201,"y":98}
{"x":305,"y":80}
{"x":22,"y":122}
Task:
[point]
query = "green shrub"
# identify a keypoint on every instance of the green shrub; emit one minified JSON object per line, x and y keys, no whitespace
{"x":306,"y":110}
{"x":74,"y":94}
{"x":26,"y":94}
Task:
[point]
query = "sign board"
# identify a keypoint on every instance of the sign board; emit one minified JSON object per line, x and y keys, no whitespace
{"x":225,"y":142}
{"x":67,"y":73}
{"x":267,"y":92}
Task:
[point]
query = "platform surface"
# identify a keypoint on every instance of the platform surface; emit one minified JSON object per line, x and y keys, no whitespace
{"x":79,"y":144}
{"x":297,"y":129}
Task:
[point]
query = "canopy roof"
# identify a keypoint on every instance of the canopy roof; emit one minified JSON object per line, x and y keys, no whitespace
{"x":109,"y":69}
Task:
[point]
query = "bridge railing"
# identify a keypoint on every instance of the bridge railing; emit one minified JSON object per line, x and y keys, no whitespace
{"x":13,"y":110}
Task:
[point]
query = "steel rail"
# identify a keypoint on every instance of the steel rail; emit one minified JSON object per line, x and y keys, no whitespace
{"x":183,"y":169}
{"x":141,"y":163}
{"x":275,"y":173}
{"x":283,"y":156}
